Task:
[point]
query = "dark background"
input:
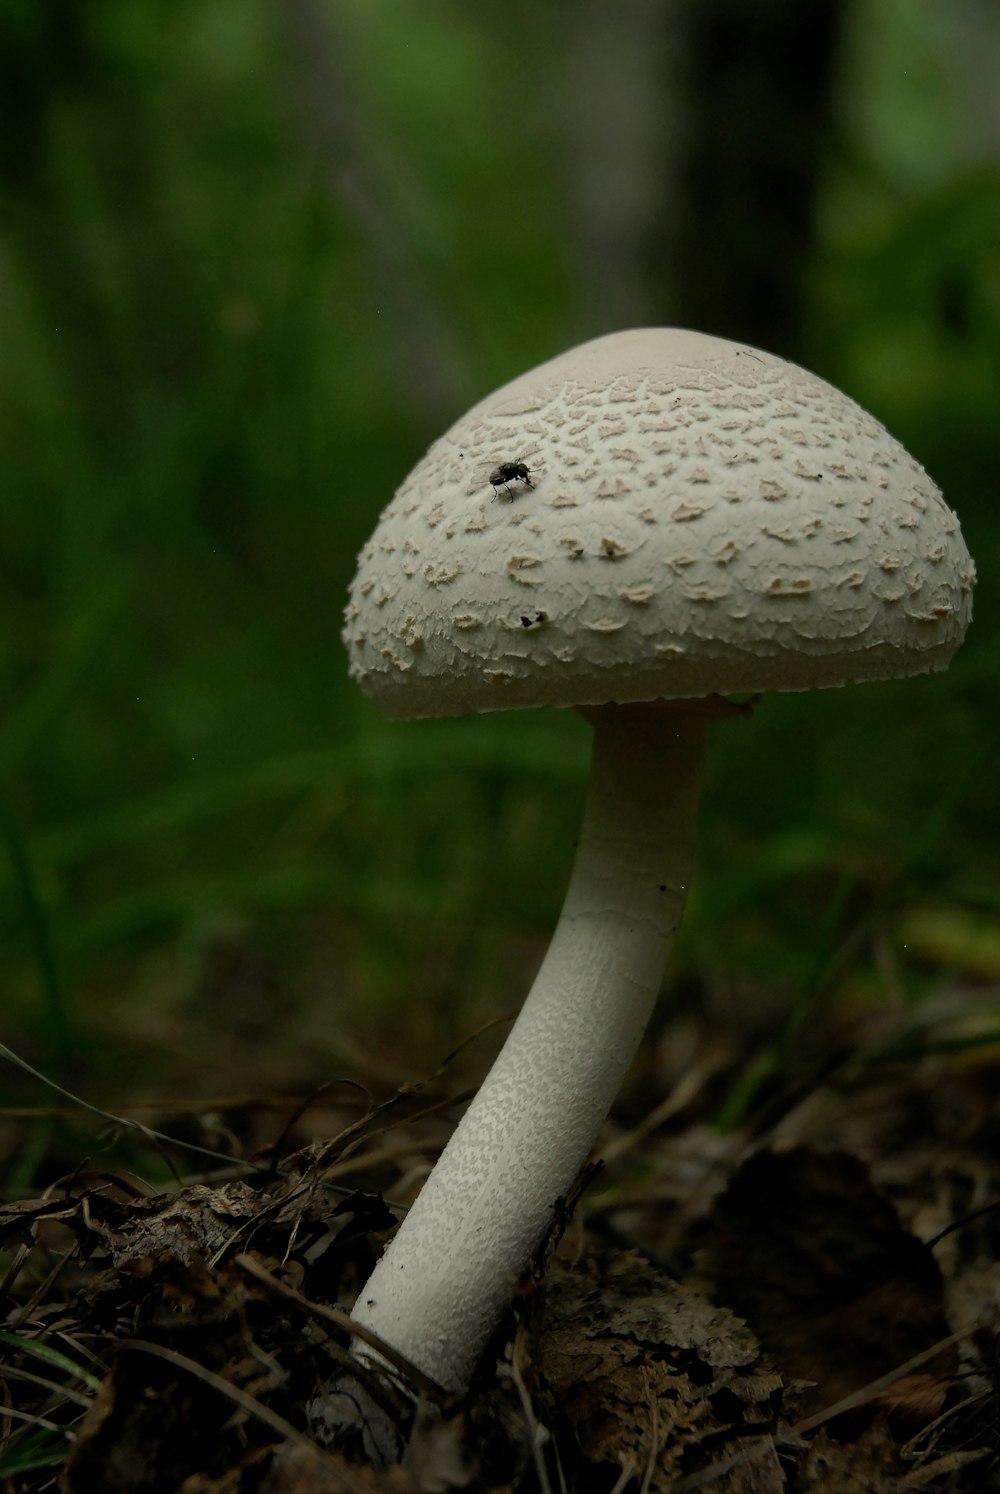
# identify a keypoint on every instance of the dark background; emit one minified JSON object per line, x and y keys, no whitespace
{"x":254,"y":257}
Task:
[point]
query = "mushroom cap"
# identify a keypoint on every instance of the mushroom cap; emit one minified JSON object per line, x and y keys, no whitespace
{"x":699,"y":517}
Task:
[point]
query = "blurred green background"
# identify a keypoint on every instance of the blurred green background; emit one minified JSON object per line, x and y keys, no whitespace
{"x":254,"y":256}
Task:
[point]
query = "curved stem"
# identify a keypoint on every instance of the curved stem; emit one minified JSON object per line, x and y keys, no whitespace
{"x":449,"y":1272}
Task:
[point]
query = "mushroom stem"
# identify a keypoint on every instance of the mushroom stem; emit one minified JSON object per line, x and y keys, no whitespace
{"x":444,"y":1280}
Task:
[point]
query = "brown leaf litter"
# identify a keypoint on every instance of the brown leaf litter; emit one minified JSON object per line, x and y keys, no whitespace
{"x":812,"y":1307}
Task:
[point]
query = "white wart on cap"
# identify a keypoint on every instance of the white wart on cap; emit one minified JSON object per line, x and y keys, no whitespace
{"x":704,"y":517}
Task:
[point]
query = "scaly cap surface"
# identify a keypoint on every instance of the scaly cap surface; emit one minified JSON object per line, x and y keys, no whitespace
{"x":704,"y":517}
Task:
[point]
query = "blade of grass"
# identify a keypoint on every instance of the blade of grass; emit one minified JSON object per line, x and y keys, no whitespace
{"x":45,"y":1352}
{"x":55,"y":1024}
{"x":156,"y":1138}
{"x":371,"y":759}
{"x":179,"y":899}
{"x":44,"y":1448}
{"x":77,"y":640}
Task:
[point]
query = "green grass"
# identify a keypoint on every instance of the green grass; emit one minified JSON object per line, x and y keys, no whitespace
{"x":226,"y":337}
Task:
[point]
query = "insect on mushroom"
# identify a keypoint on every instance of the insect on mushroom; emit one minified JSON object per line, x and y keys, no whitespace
{"x":506,"y":473}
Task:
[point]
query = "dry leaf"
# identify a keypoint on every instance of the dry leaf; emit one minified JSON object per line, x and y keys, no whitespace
{"x":650,"y":1376}
{"x":809,"y":1252}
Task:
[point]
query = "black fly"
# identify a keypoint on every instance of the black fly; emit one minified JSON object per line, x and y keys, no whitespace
{"x":508,"y":472}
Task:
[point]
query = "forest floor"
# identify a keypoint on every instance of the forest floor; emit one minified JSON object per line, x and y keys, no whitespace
{"x":807,"y":1299}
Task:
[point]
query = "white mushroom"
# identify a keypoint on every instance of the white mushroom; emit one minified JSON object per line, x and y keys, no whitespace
{"x":703,"y":518}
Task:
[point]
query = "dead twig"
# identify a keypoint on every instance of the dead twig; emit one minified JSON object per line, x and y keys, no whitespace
{"x":342,"y":1320}
{"x":245,"y":1402}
